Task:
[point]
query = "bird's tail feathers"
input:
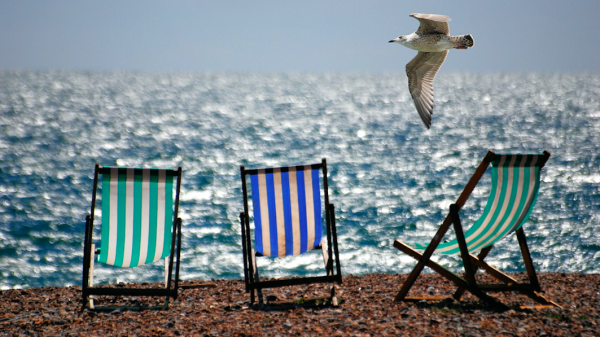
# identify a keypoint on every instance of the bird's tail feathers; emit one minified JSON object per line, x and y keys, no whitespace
{"x":463,"y":41}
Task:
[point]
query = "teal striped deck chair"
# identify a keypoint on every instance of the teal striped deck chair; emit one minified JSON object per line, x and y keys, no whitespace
{"x":514,"y":191}
{"x":139,"y":226}
{"x":289,"y":218}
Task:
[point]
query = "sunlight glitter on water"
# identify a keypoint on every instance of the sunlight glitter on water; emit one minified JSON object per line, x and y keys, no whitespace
{"x":389,"y":177}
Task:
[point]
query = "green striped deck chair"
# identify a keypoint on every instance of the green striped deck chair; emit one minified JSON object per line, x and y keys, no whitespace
{"x":288,"y":221}
{"x":515,"y":186}
{"x":139,"y":226}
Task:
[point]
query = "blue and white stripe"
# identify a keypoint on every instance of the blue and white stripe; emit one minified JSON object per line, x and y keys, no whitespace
{"x":287,"y":210}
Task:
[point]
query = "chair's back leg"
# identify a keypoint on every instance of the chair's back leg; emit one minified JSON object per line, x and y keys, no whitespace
{"x":178,"y":255}
{"x":412,"y":277}
{"x":256,"y":280}
{"x":462,"y":244}
{"x":335,"y":243}
{"x":328,"y":215}
{"x":334,"y":299}
{"x":481,"y":256}
{"x":244,"y":249}
{"x":329,"y":245}
{"x":533,"y":280}
{"x":249,"y":251}
{"x":90,"y":280}
{"x":166,"y":305}
{"x":86,"y":267}
{"x":328,"y":261}
{"x":466,"y":257}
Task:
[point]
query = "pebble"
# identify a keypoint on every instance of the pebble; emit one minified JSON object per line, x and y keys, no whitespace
{"x":366,"y":309}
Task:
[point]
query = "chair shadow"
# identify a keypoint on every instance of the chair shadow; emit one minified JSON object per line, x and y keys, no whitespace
{"x":273,"y":304}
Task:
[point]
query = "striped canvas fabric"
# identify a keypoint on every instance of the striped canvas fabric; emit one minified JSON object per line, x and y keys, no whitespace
{"x":137,"y":216}
{"x":287,"y":210}
{"x":515,"y":184}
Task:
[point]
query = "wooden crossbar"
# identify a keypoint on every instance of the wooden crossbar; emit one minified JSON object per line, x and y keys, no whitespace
{"x":292,"y":282}
{"x":459,"y":281}
{"x":130,"y":292}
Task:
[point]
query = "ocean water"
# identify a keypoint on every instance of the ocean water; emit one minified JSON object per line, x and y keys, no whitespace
{"x":389,"y":177}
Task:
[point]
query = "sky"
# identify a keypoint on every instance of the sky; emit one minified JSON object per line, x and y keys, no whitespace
{"x":299,"y":36}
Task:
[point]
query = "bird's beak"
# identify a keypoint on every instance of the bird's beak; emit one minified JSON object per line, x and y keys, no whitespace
{"x":394,"y":40}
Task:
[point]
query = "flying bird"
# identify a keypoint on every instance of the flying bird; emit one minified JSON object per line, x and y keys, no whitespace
{"x":433,"y":41}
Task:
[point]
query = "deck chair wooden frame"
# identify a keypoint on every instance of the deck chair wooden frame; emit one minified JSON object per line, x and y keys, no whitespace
{"x":133,"y":223}
{"x":472,"y":263}
{"x":329,"y":247}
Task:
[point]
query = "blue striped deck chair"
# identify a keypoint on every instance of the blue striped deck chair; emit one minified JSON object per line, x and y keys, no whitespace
{"x":139,"y":226}
{"x":514,"y":191}
{"x":288,"y":217}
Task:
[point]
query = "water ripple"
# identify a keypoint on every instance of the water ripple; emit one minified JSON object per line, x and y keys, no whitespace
{"x":389,"y":178}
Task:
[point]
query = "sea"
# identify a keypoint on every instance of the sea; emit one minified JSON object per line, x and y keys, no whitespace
{"x":389,"y":177}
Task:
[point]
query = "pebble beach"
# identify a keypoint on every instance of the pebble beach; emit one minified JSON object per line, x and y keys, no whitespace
{"x":366,"y":309}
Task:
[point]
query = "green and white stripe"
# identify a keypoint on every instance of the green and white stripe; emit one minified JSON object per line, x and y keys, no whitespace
{"x":515,"y":185}
{"x":137,"y":216}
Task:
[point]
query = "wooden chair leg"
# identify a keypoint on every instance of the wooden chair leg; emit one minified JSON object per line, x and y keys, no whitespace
{"x":410,"y":280}
{"x":328,"y":261}
{"x":256,"y":280}
{"x":431,"y":264}
{"x":481,"y":256}
{"x":244,"y":249}
{"x":87,"y":252}
{"x":334,"y":299}
{"x":91,"y":274}
{"x":336,"y":253}
{"x":466,"y":257}
{"x":462,"y":244}
{"x":166,"y":305}
{"x":423,"y":260}
{"x":533,"y":280}
{"x":178,"y":255}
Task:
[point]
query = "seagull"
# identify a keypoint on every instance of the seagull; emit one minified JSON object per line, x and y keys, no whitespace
{"x":433,"y":41}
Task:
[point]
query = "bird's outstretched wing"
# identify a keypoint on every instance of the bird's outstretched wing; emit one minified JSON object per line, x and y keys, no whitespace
{"x":432,"y":23}
{"x":421,"y":72}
